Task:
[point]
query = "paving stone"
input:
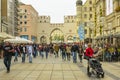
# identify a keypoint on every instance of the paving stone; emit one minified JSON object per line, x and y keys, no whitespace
{"x":55,"y":69}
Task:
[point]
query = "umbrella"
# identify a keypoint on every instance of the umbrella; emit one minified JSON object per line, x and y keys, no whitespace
{"x":18,"y":40}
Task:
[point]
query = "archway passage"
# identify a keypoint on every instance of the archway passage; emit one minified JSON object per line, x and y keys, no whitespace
{"x":70,"y":39}
{"x":56,"y":36}
{"x":43,"y":39}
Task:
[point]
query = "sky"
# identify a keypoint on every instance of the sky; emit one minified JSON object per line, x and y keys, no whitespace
{"x":56,"y":9}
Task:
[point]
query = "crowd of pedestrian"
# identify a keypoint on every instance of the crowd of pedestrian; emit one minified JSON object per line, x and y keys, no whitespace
{"x":67,"y":52}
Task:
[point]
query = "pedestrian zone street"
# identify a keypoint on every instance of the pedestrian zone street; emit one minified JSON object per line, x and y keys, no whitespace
{"x":55,"y":69}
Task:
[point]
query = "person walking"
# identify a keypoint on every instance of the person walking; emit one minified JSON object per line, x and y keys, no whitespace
{"x":56,"y":49}
{"x":8,"y":50}
{"x":47,"y":49}
{"x":35,"y":50}
{"x":63,"y":50}
{"x":75,"y":50}
{"x":17,"y":51}
{"x":80,"y":54}
{"x":68,"y":51}
{"x":23,"y":52}
{"x":30,"y":52}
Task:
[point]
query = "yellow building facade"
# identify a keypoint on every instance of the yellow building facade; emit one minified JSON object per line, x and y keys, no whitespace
{"x":100,"y":27}
{"x":108,"y":25}
{"x":85,"y":15}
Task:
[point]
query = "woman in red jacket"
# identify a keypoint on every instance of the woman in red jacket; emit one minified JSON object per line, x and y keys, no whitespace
{"x":89,"y":54}
{"x":89,"y":51}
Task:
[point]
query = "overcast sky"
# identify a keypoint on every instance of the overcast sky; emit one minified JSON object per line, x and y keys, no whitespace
{"x":54,"y":8}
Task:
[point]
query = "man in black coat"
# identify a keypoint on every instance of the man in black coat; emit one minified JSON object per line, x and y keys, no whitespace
{"x":8,"y":50}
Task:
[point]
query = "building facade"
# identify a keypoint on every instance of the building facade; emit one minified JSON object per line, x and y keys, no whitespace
{"x":28,"y":18}
{"x":108,"y":24}
{"x":56,"y":32}
{"x":85,"y":15}
{"x":9,"y":14}
{"x":0,"y":16}
{"x":99,"y":27}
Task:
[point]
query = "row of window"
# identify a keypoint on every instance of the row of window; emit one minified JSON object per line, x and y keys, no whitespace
{"x":43,"y":21}
{"x":25,"y":22}
{"x":23,"y":29}
{"x":85,"y":9}
{"x":88,"y":16}
{"x":87,"y":31}
{"x":44,"y":17}
{"x":23,"y":16}
{"x":25,"y":10}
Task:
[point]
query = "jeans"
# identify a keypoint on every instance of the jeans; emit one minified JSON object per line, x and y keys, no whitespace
{"x":46,"y":55}
{"x":7,"y":62}
{"x":30,"y":57}
{"x":16,"y":55}
{"x":68,"y":56}
{"x":42,"y":54}
{"x":23,"y":57}
{"x":39,"y":53}
{"x":80,"y":57}
{"x":74,"y":57}
{"x":88,"y":67}
{"x":35,"y":53}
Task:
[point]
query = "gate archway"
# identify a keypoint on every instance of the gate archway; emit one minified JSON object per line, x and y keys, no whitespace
{"x":70,"y":39}
{"x":43,"y":39}
{"x":56,"y":36}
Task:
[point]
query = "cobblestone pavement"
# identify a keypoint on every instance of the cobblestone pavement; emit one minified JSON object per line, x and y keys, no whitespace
{"x":55,"y":69}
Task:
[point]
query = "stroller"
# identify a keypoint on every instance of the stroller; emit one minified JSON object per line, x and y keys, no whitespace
{"x":95,"y":68}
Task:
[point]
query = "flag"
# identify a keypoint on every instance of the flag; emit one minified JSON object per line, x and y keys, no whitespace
{"x":81,"y":32}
